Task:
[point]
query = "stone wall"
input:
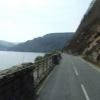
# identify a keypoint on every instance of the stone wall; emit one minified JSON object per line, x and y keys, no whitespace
{"x":17,"y":83}
{"x":21,"y":82}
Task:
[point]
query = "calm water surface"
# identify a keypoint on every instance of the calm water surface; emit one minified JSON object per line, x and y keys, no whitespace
{"x":9,"y":59}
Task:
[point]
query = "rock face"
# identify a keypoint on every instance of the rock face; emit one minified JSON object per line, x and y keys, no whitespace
{"x":86,"y":41}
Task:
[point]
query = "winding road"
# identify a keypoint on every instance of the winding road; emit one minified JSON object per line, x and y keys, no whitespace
{"x":72,"y":79}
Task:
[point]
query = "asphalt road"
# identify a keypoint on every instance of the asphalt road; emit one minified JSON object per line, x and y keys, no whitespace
{"x":73,"y":79}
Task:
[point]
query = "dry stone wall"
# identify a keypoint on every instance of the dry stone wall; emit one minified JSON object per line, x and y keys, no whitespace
{"x":22,"y":82}
{"x":17,"y":83}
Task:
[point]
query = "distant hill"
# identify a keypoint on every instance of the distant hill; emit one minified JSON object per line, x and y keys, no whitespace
{"x":4,"y":45}
{"x":49,"y":42}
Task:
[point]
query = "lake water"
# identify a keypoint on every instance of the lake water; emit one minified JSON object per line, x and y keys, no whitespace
{"x":9,"y":59}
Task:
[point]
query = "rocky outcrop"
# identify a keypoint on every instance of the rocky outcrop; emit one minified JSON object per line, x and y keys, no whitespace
{"x":87,"y":38}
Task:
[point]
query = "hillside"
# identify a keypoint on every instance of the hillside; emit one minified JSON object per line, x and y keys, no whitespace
{"x":86,"y":41}
{"x":4,"y":45}
{"x":49,"y":42}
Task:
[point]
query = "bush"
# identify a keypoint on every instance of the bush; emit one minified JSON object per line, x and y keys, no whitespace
{"x":38,"y":58}
{"x":51,"y":53}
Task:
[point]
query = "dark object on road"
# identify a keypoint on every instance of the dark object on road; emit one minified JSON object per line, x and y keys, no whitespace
{"x":56,"y":59}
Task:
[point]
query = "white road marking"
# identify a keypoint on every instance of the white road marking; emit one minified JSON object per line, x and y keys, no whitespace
{"x":76,"y":72}
{"x":85,"y":92}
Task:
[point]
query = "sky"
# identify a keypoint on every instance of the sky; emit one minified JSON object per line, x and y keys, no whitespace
{"x":22,"y":20}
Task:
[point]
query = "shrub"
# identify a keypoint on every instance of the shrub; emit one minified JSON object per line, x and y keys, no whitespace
{"x":38,"y":58}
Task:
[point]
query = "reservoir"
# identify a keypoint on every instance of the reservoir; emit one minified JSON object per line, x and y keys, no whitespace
{"x":9,"y":59}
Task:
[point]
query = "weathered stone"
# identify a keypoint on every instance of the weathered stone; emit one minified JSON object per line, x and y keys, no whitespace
{"x":17,"y":83}
{"x":21,"y":82}
{"x":87,"y":38}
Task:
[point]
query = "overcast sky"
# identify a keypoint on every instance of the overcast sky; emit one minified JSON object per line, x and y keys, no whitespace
{"x":21,"y":20}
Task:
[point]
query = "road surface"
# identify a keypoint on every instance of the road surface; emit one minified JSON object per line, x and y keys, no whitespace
{"x":73,"y":79}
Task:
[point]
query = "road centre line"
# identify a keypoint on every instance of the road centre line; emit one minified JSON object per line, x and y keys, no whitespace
{"x":76,"y":72}
{"x":82,"y":86}
{"x":85,"y":92}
